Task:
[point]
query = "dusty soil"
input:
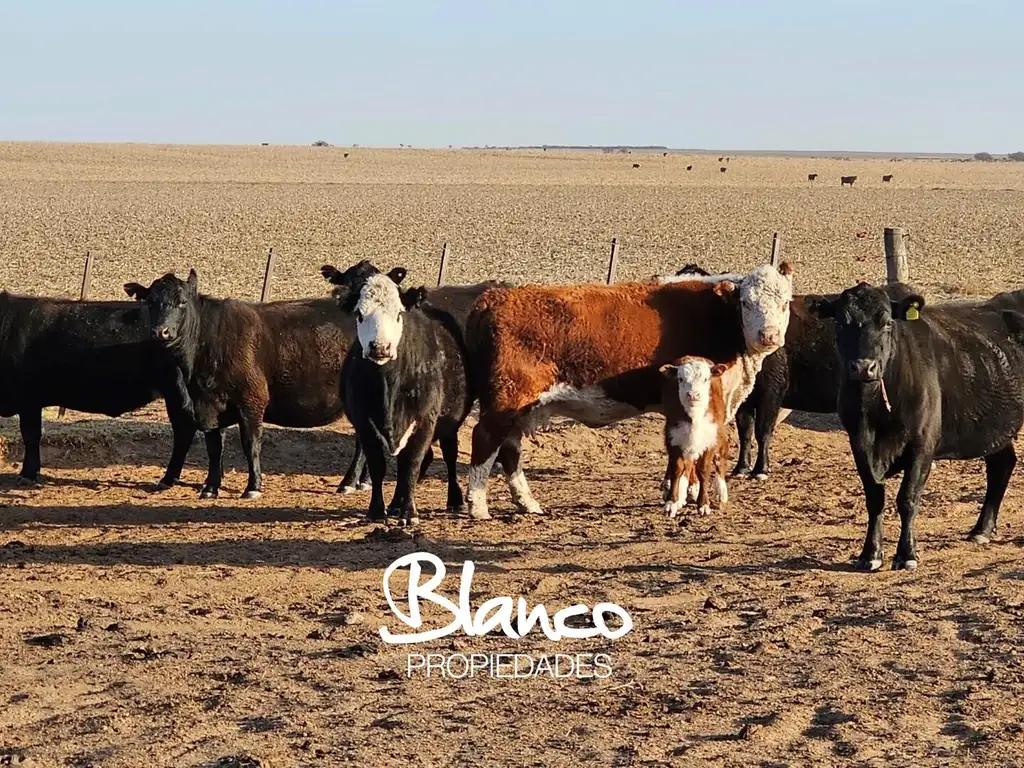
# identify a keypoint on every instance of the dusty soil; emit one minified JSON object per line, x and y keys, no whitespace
{"x":196,"y":633}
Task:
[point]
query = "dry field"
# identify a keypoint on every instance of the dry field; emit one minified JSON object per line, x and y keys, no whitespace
{"x":224,"y":633}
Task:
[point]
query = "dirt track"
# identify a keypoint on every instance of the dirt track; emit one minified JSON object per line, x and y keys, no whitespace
{"x":195,"y":631}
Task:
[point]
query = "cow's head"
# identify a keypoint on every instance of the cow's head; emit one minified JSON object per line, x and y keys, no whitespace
{"x":865,"y":320}
{"x":765,"y":295}
{"x":378,"y":305}
{"x":693,"y":375}
{"x":171,"y":303}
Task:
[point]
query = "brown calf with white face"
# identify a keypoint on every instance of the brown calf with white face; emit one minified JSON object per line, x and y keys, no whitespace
{"x":695,"y":391}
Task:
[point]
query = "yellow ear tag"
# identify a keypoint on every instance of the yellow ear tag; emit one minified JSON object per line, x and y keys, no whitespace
{"x":913,"y":313}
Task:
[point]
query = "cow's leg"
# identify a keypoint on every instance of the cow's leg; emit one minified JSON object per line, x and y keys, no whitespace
{"x":250,"y":430}
{"x":488,"y":437}
{"x":705,"y":464}
{"x":183,"y":426}
{"x":998,"y":468}
{"x":678,"y":482}
{"x":764,"y":428}
{"x":428,"y":459}
{"x":522,"y":496}
{"x":874,"y":498}
{"x":721,"y":462}
{"x":31,"y":424}
{"x":377,"y":465}
{"x":450,"y":453}
{"x":908,"y":502}
{"x":215,"y":463}
{"x":745,"y":428}
{"x":356,"y":469}
{"x":410,"y":459}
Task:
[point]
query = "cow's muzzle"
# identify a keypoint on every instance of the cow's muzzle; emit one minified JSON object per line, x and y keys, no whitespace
{"x":162,"y":333}
{"x":379,"y":353}
{"x":770,"y":338}
{"x":864,"y":369}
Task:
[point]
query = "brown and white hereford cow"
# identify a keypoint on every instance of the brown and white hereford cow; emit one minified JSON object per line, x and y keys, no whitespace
{"x":694,"y":392}
{"x":592,"y":352}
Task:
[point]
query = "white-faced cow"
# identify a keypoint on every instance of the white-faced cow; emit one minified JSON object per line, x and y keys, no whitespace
{"x":696,"y":441}
{"x":406,"y":385}
{"x":592,"y":352}
{"x":919,"y":384}
{"x":91,"y":356}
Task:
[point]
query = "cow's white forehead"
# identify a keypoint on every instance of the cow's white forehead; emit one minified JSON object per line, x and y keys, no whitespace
{"x":694,"y":372}
{"x":766,"y":285}
{"x":379,"y":294}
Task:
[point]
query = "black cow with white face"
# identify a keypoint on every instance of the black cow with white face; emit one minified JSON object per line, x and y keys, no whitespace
{"x":406,"y":385}
{"x":916,"y":384}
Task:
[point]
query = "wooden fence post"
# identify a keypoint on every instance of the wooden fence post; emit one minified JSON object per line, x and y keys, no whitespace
{"x":896,"y":267}
{"x":776,"y":250}
{"x":442,"y":270}
{"x":268,"y":273}
{"x":83,"y":294}
{"x":613,"y":261}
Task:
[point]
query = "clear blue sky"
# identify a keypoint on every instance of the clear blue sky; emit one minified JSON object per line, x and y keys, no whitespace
{"x":791,"y":74}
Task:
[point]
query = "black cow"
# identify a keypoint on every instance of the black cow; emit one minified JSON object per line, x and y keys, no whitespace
{"x":456,"y":300}
{"x":91,"y":356}
{"x":919,"y":384}
{"x":406,"y":385}
{"x":844,"y":180}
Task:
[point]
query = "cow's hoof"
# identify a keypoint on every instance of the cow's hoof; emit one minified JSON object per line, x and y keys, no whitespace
{"x":904,"y":565}
{"x":672,"y":508}
{"x":529,"y":507}
{"x":456,"y":509}
{"x":870,"y":566}
{"x":163,"y":485}
{"x":740,"y":472}
{"x":704,"y":510}
{"x":666,"y":489}
{"x":29,"y":481}
{"x":979,"y":538}
{"x":479,"y":513}
{"x":376,"y":517}
{"x":209,"y":493}
{"x":761,"y":476}
{"x":410,"y":522}
{"x":364,"y":486}
{"x":252,"y":494}
{"x":345,"y":490}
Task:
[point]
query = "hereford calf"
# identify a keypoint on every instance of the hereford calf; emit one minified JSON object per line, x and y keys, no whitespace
{"x":592,"y":352}
{"x":694,"y":396}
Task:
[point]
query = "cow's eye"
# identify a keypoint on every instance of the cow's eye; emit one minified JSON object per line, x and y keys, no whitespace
{"x":359,"y":316}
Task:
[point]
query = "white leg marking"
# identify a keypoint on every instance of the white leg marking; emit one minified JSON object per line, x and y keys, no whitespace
{"x":405,"y":438}
{"x":723,"y":492}
{"x":521,"y":494}
{"x":672,"y":506}
{"x":477,"y":490}
{"x":695,"y":491}
{"x":705,"y":510}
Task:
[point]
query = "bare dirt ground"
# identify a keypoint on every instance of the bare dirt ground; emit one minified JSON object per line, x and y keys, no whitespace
{"x":204,"y":633}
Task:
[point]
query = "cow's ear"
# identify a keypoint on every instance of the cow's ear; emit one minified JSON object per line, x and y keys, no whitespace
{"x":908,"y":308}
{"x":136,"y":291}
{"x":668,"y":371}
{"x":332,"y":274}
{"x":725,"y":288}
{"x":786,"y":269}
{"x":193,"y":281}
{"x":397,"y":275}
{"x":414,"y":297}
{"x":693,"y":269}
{"x":718,"y":369}
{"x":819,"y":306}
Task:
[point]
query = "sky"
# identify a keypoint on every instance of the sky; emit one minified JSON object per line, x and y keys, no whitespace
{"x":861,"y":75}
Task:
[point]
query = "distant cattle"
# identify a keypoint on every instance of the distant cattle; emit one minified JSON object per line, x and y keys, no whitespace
{"x":689,"y":167}
{"x":592,"y":352}
{"x":664,"y":154}
{"x":696,"y":442}
{"x":721,"y":159}
{"x":636,"y":165}
{"x":812,"y":176}
{"x":91,"y":356}
{"x":723,"y":169}
{"x":844,"y":180}
{"x":406,"y":384}
{"x":887,"y":178}
{"x":919,"y":384}
{"x":345,"y":155}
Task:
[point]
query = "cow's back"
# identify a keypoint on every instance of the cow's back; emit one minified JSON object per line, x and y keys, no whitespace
{"x":526,"y":339}
{"x":95,"y":357}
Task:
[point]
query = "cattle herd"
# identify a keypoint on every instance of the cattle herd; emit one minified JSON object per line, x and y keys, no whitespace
{"x":911,"y":383}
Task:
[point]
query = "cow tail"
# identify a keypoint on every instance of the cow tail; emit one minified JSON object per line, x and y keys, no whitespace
{"x":480,"y":348}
